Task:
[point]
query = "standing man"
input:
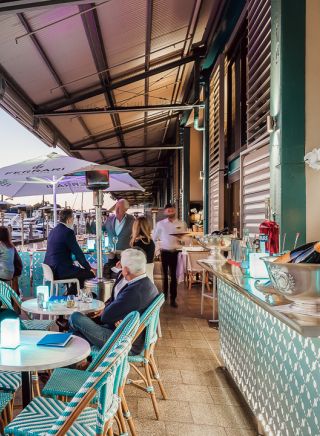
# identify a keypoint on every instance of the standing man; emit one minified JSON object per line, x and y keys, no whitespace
{"x":119,"y":229}
{"x":169,"y":249}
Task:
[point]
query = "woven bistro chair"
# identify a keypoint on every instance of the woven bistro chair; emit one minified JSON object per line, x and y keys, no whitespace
{"x":10,"y":381}
{"x":149,"y":321}
{"x":49,"y":416}
{"x":7,"y":295}
{"x":193,"y":268}
{"x":6,"y":400}
{"x":74,"y":378}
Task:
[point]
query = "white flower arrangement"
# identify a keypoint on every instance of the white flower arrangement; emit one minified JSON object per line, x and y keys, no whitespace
{"x":313,"y":159}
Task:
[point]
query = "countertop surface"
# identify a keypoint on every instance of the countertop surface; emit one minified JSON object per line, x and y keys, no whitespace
{"x":305,"y":324}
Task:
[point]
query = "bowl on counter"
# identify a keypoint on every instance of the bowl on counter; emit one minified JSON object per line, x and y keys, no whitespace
{"x":298,"y":283}
{"x":215,"y":243}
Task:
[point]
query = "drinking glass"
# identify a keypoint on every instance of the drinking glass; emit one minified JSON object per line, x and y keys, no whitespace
{"x":115,"y":240}
{"x":40,"y":300}
{"x":88,"y":297}
{"x":71,"y":301}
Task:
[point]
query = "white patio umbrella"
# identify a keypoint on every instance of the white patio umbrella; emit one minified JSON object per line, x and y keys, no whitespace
{"x":47,"y":174}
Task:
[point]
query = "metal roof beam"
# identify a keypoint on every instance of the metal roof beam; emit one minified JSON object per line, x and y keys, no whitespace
{"x":118,"y":109}
{"x":142,"y":148}
{"x":22,"y":6}
{"x":105,"y":136}
{"x":92,"y":28}
{"x":48,"y":63}
{"x":119,"y":83}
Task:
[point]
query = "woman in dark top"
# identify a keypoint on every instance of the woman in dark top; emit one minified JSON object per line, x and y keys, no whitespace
{"x":141,"y":237}
{"x":10,"y":262}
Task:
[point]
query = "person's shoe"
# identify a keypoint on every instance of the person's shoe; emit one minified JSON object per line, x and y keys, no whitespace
{"x":173,"y":304}
{"x":63,"y":324}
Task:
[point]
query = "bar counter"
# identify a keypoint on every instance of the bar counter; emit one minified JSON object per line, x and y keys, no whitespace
{"x":273,"y":357}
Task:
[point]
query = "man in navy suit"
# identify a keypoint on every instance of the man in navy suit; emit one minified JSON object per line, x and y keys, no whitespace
{"x":62,"y":244}
{"x":133,"y":291}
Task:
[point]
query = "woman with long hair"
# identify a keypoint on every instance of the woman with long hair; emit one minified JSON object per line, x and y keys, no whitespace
{"x":141,"y":237}
{"x":10,"y":262}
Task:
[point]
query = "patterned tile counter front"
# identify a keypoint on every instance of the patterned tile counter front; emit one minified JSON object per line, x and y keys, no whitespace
{"x":276,"y":367}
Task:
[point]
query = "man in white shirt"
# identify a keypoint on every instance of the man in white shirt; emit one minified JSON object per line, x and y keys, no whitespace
{"x":169,"y":249}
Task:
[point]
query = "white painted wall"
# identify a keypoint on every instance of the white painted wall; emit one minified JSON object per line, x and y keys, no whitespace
{"x":313,"y":115}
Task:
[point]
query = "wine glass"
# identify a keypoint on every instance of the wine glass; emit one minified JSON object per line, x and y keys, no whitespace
{"x":115,"y":240}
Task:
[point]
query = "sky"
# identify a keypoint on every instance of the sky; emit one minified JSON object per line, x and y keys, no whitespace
{"x":18,"y":144}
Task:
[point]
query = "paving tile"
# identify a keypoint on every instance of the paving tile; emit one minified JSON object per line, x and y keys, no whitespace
{"x":225,"y":396}
{"x":206,"y":378}
{"x":212,"y":335}
{"x":170,"y":376}
{"x":165,"y":352}
{"x":177,"y":343}
{"x":150,"y":427}
{"x":233,"y":416}
{"x":195,"y":353}
{"x":183,"y":334}
{"x":190,"y":393}
{"x":241,"y":432}
{"x":170,"y":410}
{"x":176,"y":363}
{"x":214,"y":345}
{"x":178,"y":429}
{"x":203,"y":414}
{"x":198,"y":343}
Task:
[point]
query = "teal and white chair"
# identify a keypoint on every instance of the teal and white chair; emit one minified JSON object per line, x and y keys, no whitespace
{"x":25,"y":278}
{"x":149,"y":321}
{"x":6,"y":408}
{"x":37,"y":273}
{"x":74,"y":378}
{"x":49,"y":416}
{"x":10,"y":381}
{"x":7,"y":295}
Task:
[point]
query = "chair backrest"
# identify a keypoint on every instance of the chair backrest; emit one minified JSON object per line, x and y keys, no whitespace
{"x":193,"y":257}
{"x":5,"y":295}
{"x":101,"y":380}
{"x":25,"y":278}
{"x":149,"y":271}
{"x":47,"y":273}
{"x":37,"y":270}
{"x":149,"y":321}
{"x":128,"y":327}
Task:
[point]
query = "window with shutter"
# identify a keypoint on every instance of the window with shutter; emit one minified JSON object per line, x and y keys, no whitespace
{"x":255,"y":187}
{"x":255,"y":161}
{"x":216,"y":146}
{"x":259,"y":64}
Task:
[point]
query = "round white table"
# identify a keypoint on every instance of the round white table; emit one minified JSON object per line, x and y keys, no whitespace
{"x":61,"y":309}
{"x":28,"y":357}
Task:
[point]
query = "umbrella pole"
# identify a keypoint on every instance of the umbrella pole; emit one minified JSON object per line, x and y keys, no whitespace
{"x":54,"y":191}
{"x":98,"y":201}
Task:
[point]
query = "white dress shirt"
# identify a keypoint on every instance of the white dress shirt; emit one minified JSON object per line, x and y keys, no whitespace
{"x":123,"y":282}
{"x":163,"y":231}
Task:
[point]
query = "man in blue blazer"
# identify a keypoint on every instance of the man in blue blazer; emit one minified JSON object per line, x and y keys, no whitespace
{"x":134,"y":291}
{"x":62,"y":244}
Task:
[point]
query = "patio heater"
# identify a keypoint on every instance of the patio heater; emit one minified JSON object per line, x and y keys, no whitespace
{"x":98,"y":181}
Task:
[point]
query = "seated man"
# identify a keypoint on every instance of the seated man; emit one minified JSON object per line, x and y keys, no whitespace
{"x":134,"y":291}
{"x":62,"y":244}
